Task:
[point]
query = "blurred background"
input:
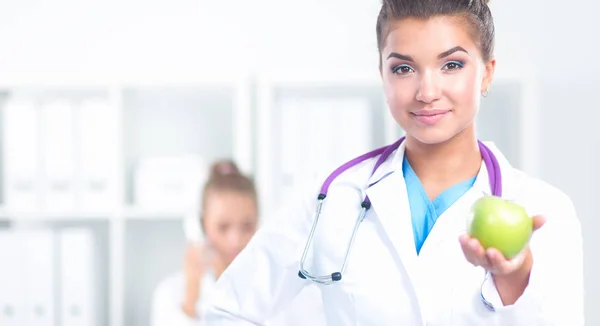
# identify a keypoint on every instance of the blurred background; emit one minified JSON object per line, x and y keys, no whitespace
{"x":112,"y":112}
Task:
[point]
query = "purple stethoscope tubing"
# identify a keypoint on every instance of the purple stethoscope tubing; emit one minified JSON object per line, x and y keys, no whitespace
{"x":490,"y":161}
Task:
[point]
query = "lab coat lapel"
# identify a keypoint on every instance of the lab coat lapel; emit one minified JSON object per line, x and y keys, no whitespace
{"x":456,"y":218}
{"x":389,"y":200}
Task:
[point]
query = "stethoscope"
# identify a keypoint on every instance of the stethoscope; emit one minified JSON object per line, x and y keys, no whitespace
{"x":494,"y":175}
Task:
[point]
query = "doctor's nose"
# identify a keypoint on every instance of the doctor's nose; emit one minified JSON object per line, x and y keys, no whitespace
{"x":429,"y":88}
{"x":236,"y":241}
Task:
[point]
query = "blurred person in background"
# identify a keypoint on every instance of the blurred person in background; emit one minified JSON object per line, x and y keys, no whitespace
{"x":229,"y":220}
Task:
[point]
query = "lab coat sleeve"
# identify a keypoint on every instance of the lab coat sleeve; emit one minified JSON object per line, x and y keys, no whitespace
{"x":263,"y":279}
{"x":554,"y":295}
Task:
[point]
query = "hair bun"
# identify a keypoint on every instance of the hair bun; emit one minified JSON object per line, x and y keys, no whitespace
{"x":478,"y":2}
{"x":223,"y":168}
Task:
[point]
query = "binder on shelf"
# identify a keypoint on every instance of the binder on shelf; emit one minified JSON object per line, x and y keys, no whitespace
{"x":350,"y":123}
{"x":12,"y":296}
{"x":97,"y":181}
{"x":169,"y":184}
{"x":39,"y":277}
{"x":77,"y":277}
{"x":21,"y":149}
{"x":321,"y":133}
{"x":58,"y":148}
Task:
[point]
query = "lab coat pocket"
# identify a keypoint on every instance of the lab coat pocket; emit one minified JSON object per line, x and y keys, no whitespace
{"x":339,"y":305}
{"x":381,"y":292}
{"x":466,"y":302}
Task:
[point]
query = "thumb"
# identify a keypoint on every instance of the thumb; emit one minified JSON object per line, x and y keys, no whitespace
{"x":538,"y":222}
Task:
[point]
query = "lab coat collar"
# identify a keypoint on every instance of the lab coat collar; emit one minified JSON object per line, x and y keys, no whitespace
{"x":393,"y":165}
{"x":388,"y":195}
{"x":389,"y":198}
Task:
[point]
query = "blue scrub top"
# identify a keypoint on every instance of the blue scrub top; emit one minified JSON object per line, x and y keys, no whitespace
{"x":424,"y":211}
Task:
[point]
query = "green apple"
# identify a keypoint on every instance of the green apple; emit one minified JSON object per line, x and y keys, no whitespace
{"x":500,"y":224}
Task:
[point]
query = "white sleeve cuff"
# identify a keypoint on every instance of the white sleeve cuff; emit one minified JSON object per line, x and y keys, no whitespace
{"x":525,"y":311}
{"x":489,"y":294}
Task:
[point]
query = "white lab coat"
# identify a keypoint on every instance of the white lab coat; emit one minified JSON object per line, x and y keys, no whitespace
{"x":385,"y":282}
{"x":168,"y":299}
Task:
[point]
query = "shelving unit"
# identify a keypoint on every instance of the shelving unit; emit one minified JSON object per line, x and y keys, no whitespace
{"x":136,"y":245}
{"x":307,"y":126}
{"x":267,"y":125}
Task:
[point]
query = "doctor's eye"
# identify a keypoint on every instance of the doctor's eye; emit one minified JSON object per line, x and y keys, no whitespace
{"x":402,"y":69}
{"x":453,"y":65}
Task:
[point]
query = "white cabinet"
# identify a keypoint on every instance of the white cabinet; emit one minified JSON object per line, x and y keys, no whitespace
{"x":126,"y":162}
{"x":60,"y":152}
{"x":53,"y":276}
{"x":310,"y":127}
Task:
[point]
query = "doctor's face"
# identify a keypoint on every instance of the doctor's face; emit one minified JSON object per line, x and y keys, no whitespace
{"x":230,"y":220}
{"x":433,"y":76}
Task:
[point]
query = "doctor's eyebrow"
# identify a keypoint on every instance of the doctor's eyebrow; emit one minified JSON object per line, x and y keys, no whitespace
{"x":453,"y":50}
{"x":440,"y":56}
{"x":400,"y":56}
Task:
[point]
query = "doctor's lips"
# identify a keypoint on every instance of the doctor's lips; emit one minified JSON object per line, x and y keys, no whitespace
{"x":429,"y":117}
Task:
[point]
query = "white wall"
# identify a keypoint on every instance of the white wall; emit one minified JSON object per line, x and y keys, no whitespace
{"x":552,"y":40}
{"x":560,"y":42}
{"x":132,"y":38}
{"x":181,"y":37}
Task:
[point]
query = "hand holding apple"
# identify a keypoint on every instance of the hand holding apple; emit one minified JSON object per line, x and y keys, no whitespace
{"x":498,"y":236}
{"x":498,"y":223}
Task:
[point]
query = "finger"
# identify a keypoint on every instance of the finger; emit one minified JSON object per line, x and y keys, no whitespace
{"x":478,"y":253}
{"x":190,"y":254}
{"x":204,"y":256}
{"x":495,"y":257}
{"x":467,"y":250}
{"x":474,"y":252}
{"x":538,"y":222}
{"x":464,"y":240}
{"x":499,"y":263}
{"x":510,"y":266}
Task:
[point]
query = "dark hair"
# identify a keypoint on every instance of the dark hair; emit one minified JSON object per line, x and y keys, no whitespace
{"x":476,"y":12}
{"x":225,"y":176}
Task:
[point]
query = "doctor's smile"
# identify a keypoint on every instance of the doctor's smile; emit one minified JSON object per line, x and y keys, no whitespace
{"x":429,"y":117}
{"x":406,"y":232}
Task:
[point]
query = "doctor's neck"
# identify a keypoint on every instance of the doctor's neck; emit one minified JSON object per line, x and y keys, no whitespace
{"x":442,"y":165}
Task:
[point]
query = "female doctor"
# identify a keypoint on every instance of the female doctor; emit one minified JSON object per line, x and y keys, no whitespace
{"x":229,"y":220}
{"x":410,"y":261}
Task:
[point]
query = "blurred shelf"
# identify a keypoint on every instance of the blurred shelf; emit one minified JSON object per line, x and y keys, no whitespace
{"x":142,"y":213}
{"x":77,"y":81}
{"x":15,"y":216}
{"x":126,"y":213}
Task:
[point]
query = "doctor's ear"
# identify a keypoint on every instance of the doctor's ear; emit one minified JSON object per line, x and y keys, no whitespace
{"x":488,"y":76}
